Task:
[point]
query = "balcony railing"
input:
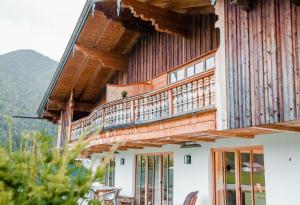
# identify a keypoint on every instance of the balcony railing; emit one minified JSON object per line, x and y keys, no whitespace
{"x":189,"y":95}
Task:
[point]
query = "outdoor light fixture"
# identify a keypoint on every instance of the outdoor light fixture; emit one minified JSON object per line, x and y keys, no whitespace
{"x":116,"y":152}
{"x":190,"y":145}
{"x":122,"y":161}
{"x":187,"y":159}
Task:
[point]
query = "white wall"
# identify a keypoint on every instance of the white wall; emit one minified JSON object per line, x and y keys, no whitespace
{"x":282,"y":176}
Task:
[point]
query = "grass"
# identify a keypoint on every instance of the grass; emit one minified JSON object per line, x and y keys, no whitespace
{"x":258,"y":178}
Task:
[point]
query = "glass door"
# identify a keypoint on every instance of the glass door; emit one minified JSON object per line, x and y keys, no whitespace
{"x":239,"y":176}
{"x":154,"y":179}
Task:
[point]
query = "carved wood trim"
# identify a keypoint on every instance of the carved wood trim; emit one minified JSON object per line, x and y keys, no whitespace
{"x":163,"y":20}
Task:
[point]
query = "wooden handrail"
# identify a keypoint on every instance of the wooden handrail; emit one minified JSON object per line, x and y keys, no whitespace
{"x":179,"y":98}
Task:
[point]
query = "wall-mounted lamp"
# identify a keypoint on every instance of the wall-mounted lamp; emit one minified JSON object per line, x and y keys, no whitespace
{"x":122,"y":161}
{"x":187,"y":159}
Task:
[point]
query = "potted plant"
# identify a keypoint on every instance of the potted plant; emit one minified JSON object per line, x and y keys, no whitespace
{"x":124,"y":94}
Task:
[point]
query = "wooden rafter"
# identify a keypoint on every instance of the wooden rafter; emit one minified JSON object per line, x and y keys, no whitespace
{"x":230,"y":134}
{"x":142,"y":144}
{"x":162,"y":19}
{"x":280,"y":128}
{"x":106,"y":58}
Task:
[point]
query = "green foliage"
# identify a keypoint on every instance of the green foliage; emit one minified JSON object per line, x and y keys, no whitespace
{"x":24,"y":78}
{"x":39,"y":174}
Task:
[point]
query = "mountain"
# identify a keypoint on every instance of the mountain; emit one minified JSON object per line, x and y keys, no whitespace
{"x":24,"y":77}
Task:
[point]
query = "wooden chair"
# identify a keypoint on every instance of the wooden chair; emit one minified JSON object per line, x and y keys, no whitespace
{"x":111,"y":197}
{"x":91,"y":195}
{"x":191,"y":198}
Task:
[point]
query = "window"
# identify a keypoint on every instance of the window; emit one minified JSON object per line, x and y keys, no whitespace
{"x":180,"y":74}
{"x":192,"y":70}
{"x":239,"y":176}
{"x":199,"y":67}
{"x":110,"y":173}
{"x":210,"y":63}
{"x":154,"y":179}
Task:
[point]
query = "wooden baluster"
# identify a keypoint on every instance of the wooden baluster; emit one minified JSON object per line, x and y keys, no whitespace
{"x":212,"y":90}
{"x":136,"y":112}
{"x":206,"y":91}
{"x":195,"y":94}
{"x":131,"y":111}
{"x":157,"y":106}
{"x":103,"y":117}
{"x":190,"y":96}
{"x":171,"y":103}
{"x":184,"y":98}
{"x":162,"y":105}
{"x":175,"y":101}
{"x":142,"y":109}
{"x":201,"y":93}
{"x":107,"y":116}
{"x":166,"y":103}
{"x":180,"y":99}
{"x":146,"y":114}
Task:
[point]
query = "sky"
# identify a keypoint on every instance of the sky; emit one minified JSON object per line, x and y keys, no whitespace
{"x":41,"y":25}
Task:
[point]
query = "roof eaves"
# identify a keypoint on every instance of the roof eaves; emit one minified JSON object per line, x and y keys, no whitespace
{"x":69,"y":49}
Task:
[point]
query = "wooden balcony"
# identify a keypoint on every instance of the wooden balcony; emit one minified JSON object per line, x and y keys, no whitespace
{"x":195,"y":94}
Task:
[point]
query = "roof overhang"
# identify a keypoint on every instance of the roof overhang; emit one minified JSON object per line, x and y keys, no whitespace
{"x":104,"y":35}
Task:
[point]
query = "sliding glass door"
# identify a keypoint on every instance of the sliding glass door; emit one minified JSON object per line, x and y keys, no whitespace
{"x":154,"y":179}
{"x":239,"y":176}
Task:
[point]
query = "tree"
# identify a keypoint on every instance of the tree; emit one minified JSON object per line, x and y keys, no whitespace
{"x":39,"y":174}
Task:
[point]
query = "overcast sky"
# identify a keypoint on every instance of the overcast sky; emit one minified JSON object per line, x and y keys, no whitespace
{"x":41,"y":25}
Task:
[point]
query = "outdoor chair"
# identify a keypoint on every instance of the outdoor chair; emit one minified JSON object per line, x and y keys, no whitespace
{"x":111,"y":197}
{"x":88,"y":197}
{"x":191,"y":198}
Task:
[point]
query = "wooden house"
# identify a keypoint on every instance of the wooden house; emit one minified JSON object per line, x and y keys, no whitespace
{"x":187,"y":92}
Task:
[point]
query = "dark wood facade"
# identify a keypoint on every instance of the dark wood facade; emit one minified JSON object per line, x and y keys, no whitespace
{"x":262,"y":63}
{"x":156,"y":53}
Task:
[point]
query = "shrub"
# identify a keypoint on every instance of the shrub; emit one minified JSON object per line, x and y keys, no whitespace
{"x":38,"y":173}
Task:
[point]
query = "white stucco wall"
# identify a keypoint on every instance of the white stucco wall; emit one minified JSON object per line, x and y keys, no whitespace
{"x":282,"y":168}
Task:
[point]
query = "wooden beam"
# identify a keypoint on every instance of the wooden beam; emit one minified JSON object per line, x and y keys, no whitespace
{"x":162,"y":19}
{"x":142,"y":144}
{"x":78,"y":73}
{"x":280,"y":128}
{"x":230,"y":134}
{"x":246,"y":5}
{"x":106,"y":58}
{"x":129,"y":147}
{"x":55,"y":104}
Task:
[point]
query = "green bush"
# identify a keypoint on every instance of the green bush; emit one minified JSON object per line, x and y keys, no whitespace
{"x":40,"y":174}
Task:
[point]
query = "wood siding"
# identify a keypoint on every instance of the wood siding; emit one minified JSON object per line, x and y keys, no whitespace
{"x":262,"y":63}
{"x":156,"y":53}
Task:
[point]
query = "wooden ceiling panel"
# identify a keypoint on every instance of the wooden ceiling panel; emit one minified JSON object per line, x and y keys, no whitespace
{"x":62,"y":87}
{"x":183,"y":6}
{"x":109,"y":39}
{"x":92,"y":91}
{"x":93,"y":28}
{"x":127,"y":41}
{"x":84,"y":78}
